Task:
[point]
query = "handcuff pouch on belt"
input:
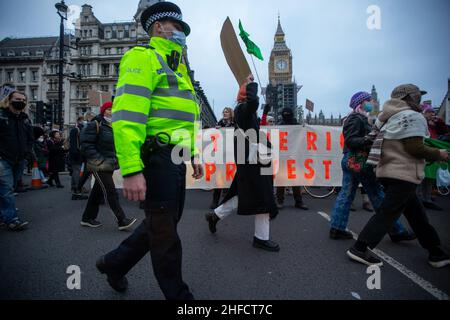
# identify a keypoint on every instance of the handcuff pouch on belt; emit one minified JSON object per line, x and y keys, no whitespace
{"x":153,"y":145}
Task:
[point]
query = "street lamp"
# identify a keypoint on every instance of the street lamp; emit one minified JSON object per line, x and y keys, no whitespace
{"x":61,"y":8}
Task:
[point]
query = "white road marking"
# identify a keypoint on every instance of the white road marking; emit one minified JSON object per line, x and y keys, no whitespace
{"x":356,"y":295}
{"x":421,"y":282}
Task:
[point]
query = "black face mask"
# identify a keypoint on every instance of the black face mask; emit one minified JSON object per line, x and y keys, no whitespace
{"x":18,"y":105}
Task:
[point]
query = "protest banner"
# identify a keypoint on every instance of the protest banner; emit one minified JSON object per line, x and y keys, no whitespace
{"x":306,"y":156}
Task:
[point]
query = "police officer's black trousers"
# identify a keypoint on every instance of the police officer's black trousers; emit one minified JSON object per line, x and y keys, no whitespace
{"x":166,"y":183}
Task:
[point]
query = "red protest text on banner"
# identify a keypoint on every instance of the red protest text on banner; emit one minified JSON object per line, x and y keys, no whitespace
{"x":291,"y":169}
{"x":311,"y":139}
{"x":311,"y":173}
{"x":210,"y":170}
{"x":214,"y":138}
{"x":230,"y":171}
{"x":283,"y":140}
{"x":327,"y":164}
{"x":328,"y":135}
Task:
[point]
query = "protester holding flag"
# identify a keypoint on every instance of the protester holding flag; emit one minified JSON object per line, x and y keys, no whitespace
{"x":251,"y":193}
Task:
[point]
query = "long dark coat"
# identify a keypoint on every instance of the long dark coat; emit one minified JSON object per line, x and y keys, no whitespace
{"x":56,"y":156}
{"x":254,"y":191}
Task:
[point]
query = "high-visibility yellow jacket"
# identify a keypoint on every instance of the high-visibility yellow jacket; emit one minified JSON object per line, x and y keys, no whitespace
{"x":150,"y":99}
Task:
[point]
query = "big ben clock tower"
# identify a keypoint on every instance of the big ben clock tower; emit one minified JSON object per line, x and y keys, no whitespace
{"x":280,"y":65}
{"x":281,"y":91}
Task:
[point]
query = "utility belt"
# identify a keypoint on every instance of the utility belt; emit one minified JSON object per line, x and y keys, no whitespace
{"x":154,"y":144}
{"x":159,"y":142}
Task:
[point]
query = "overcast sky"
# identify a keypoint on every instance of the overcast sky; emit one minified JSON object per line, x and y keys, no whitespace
{"x":335,"y":54}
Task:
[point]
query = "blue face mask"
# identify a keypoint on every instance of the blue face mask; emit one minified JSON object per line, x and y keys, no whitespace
{"x":368,"y":107}
{"x":177,"y":37}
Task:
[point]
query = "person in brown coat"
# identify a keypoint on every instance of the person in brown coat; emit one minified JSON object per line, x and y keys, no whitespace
{"x":401,"y":169}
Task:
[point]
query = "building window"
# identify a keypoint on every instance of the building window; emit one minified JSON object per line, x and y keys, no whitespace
{"x":39,"y":53}
{"x":119,"y":50}
{"x":84,"y":51}
{"x":90,"y":33}
{"x":104,"y":88}
{"x":107,"y":51}
{"x":54,"y":69}
{"x":108,"y":34}
{"x":9,"y":76}
{"x":22,"y":75}
{"x":85,"y":69}
{"x":120,"y":34}
{"x":25,"y":53}
{"x":11,"y":53}
{"x":105,"y":69}
{"x":33,"y":92}
{"x":133,"y":33}
{"x":34,"y":75}
{"x":84,"y":92}
{"x":86,"y":18}
{"x":116,"y":69}
{"x":82,"y":69}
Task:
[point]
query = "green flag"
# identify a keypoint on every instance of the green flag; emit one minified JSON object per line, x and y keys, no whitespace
{"x":432,"y":167}
{"x":252,"y":48}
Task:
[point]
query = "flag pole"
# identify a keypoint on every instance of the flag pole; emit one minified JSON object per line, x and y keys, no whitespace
{"x":257,"y":76}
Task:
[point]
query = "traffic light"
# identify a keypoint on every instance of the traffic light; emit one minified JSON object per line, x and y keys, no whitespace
{"x":55,"y":114}
{"x":48,"y":113}
{"x":40,"y":112}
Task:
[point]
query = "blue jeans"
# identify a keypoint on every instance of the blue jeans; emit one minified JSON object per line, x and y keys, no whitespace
{"x":9,"y":176}
{"x":350,"y":184}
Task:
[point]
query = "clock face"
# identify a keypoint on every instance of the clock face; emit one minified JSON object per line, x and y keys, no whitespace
{"x":281,"y":65}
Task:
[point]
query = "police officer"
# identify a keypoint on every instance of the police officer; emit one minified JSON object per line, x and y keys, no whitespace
{"x":155,"y":113}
